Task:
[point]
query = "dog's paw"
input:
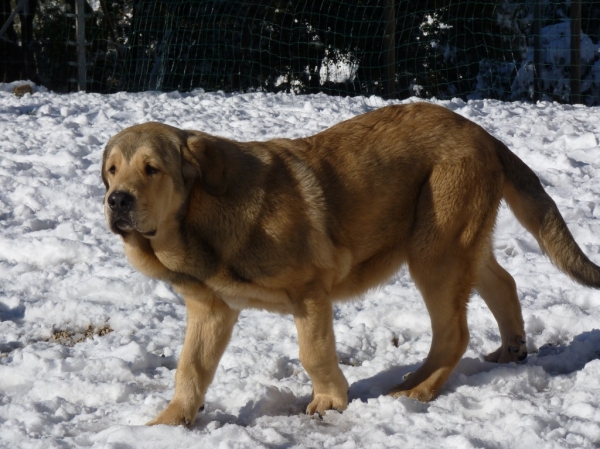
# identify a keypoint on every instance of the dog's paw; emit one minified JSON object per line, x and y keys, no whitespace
{"x":420,"y":393}
{"x":175,"y":415}
{"x":323,"y":402}
{"x":514,"y":351}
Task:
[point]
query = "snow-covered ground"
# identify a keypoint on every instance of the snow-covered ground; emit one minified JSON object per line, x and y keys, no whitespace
{"x":63,"y":274}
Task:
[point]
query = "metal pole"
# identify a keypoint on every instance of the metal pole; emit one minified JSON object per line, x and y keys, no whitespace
{"x":389,"y":50}
{"x":10,"y":19}
{"x":80,"y":28}
{"x":575,"y":51}
{"x":537,"y":50}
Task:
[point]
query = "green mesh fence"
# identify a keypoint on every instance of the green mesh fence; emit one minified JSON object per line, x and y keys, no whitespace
{"x":395,"y":49}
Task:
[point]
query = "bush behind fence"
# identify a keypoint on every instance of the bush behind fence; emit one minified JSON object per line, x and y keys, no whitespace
{"x":391,"y":48}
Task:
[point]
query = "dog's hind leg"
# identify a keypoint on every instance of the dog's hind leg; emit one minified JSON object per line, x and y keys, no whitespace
{"x":453,"y":225}
{"x":314,"y":322}
{"x":445,"y":286}
{"x":499,"y":291}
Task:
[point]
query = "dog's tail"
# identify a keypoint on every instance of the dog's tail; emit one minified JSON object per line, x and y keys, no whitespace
{"x":538,"y":213}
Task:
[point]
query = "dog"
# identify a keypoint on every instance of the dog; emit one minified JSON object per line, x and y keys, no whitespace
{"x":291,"y":225}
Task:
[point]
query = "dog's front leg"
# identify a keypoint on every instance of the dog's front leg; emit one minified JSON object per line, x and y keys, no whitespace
{"x":209,"y":325}
{"x":314,"y":322}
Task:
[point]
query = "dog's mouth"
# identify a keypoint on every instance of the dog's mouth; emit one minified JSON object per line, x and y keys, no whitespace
{"x":122,"y":226}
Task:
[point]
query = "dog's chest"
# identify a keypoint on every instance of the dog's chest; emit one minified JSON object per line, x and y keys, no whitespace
{"x":245,"y":294}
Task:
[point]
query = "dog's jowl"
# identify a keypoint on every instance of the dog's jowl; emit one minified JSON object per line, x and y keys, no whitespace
{"x":290,"y":226}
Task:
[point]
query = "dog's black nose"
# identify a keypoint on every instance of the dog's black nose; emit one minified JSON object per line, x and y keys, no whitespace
{"x":120,"y":201}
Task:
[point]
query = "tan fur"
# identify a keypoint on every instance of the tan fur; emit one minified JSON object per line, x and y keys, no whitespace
{"x":292,"y":225}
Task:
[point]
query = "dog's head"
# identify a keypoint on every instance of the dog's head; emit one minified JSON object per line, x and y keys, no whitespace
{"x":148,"y":171}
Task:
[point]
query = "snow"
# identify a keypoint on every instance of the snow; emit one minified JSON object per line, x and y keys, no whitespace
{"x":63,"y":272}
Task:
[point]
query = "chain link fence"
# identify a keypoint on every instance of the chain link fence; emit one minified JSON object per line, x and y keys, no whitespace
{"x":504,"y":49}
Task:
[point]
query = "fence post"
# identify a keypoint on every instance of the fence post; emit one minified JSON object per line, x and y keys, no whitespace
{"x":537,"y":51}
{"x":389,"y":50}
{"x":19,"y":7}
{"x":575,"y":51}
{"x":80,"y":29}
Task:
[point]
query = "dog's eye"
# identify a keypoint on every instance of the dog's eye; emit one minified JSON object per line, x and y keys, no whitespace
{"x":150,"y":170}
{"x":112,"y":170}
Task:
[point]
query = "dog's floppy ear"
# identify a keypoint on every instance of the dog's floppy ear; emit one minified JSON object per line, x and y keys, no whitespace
{"x":104,"y":158}
{"x":205,"y":156}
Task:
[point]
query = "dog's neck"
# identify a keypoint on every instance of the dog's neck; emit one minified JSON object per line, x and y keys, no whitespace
{"x":168,"y":247}
{"x":140,"y":253}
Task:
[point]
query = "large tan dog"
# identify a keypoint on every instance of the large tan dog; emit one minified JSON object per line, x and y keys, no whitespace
{"x":292,"y":225}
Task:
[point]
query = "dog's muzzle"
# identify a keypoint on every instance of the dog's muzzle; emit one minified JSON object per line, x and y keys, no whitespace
{"x":120,"y":204}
